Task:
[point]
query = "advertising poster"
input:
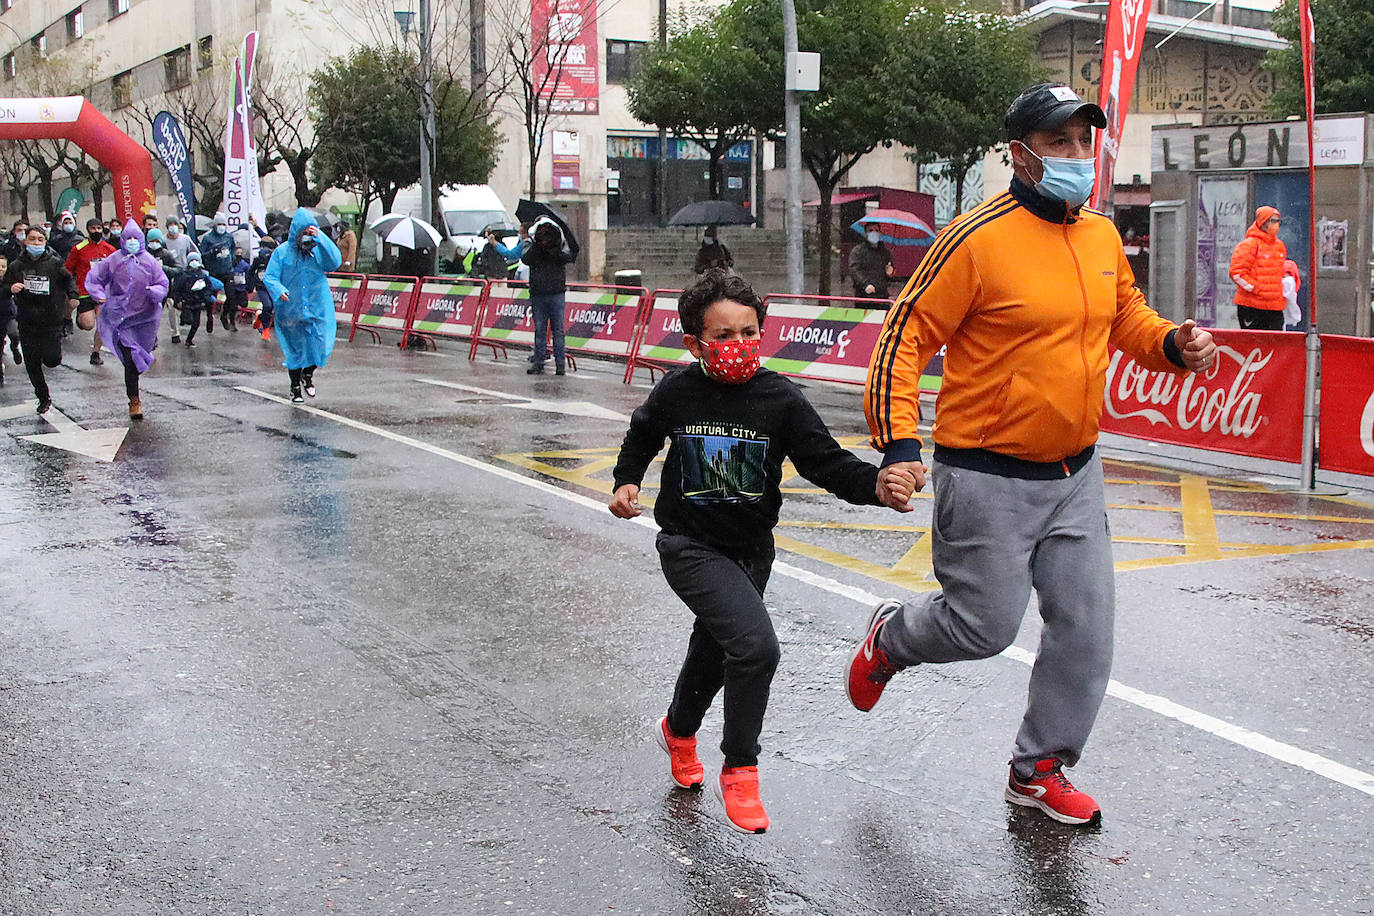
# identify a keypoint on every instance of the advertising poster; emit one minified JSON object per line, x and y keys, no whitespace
{"x":1222,"y":220}
{"x":1332,"y":235}
{"x":567,"y":161}
{"x":565,"y":63}
{"x":1347,"y":420}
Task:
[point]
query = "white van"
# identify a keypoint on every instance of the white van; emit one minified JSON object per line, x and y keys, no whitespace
{"x":467,"y":209}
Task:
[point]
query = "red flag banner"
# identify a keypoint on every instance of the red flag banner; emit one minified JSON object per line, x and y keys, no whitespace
{"x":1120,"y":58}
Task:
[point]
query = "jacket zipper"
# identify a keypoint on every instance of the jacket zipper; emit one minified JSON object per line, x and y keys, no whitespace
{"x":1082,"y":336}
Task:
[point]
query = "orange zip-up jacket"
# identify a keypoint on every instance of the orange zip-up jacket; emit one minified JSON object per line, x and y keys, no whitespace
{"x":1257,"y":265}
{"x":1026,"y":306}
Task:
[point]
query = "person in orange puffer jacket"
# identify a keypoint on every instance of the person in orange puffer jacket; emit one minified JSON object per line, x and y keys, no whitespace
{"x":1257,"y":270}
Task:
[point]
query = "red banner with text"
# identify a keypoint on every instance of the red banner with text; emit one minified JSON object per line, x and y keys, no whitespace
{"x":566,"y":78}
{"x":1248,"y":403}
{"x":1347,"y":421}
{"x":1121,"y":48}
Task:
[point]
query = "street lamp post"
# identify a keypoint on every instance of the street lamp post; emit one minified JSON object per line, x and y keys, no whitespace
{"x":426,"y":113}
{"x":796,"y":282}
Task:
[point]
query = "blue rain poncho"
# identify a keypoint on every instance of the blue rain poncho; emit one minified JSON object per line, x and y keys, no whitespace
{"x":305,"y":322}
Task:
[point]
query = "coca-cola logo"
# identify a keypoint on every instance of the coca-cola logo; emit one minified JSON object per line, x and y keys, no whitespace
{"x":1201,"y":401}
{"x":1130,"y":20}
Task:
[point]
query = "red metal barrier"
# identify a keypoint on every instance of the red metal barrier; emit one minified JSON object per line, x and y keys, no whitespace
{"x":348,"y":290}
{"x":385,"y":304}
{"x":1347,"y":405}
{"x":449,"y":307}
{"x":657,"y":344}
{"x":599,"y":319}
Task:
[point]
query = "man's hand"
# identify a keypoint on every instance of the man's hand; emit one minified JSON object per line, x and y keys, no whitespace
{"x":285,"y":296}
{"x":1196,"y":345}
{"x":889,"y":269}
{"x":870,"y":288}
{"x":17,"y":288}
{"x":896,"y":485}
{"x":625,"y":503}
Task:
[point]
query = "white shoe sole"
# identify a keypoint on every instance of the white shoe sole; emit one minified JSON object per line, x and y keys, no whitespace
{"x":1016,"y":798}
{"x":663,"y":743}
{"x":720,"y":795}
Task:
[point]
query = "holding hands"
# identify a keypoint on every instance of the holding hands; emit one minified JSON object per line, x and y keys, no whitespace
{"x":897,"y":483}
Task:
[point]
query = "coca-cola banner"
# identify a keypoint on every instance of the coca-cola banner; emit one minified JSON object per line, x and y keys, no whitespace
{"x":1248,"y":403}
{"x":1347,"y":421}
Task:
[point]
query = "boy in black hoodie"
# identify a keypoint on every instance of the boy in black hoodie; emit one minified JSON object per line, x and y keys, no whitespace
{"x":731,"y":425}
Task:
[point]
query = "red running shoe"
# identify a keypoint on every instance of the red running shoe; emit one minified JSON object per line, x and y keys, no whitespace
{"x":738,"y":790}
{"x":1050,"y":791}
{"x":682,"y":756}
{"x":869,"y":670}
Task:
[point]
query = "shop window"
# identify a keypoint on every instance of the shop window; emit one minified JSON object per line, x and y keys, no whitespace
{"x":623,"y":59}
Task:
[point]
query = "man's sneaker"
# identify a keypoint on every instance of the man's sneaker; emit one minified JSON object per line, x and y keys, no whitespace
{"x":738,"y":790}
{"x":1050,"y":791}
{"x":96,"y":360}
{"x":43,"y":406}
{"x":296,"y":395}
{"x":682,"y":756}
{"x":176,"y":338}
{"x":536,"y":369}
{"x":869,"y":670}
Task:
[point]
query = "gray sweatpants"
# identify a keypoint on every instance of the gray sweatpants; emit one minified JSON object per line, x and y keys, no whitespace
{"x":993,"y":539}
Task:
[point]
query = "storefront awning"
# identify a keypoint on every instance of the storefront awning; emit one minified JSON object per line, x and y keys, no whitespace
{"x":845,"y":197}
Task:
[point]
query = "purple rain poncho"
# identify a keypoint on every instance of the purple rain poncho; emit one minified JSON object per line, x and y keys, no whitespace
{"x":132,"y":287}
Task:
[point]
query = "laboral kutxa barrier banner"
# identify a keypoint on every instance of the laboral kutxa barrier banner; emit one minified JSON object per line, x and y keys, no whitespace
{"x":1347,"y":419}
{"x":1248,"y":403}
{"x":809,"y":337}
{"x":447,"y":308}
{"x":596,"y":319}
{"x":385,"y":302}
{"x":346,"y":289}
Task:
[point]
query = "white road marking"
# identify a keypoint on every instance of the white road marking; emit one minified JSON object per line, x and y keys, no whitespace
{"x":1236,"y":734}
{"x":521,"y":402}
{"x":100,"y":444}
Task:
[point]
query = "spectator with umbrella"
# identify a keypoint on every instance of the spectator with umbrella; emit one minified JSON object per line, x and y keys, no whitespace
{"x":870,"y":266}
{"x":303,"y":305}
{"x":713,"y":255}
{"x":553,"y":248}
{"x":417,"y":239}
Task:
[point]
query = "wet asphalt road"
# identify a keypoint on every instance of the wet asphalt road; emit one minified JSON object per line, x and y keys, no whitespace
{"x":266,"y":662}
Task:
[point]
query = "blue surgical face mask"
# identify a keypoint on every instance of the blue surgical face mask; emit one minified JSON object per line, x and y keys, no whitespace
{"x":1069,"y":180}
{"x":36,"y":250}
{"x":132,"y":246}
{"x":873,"y":238}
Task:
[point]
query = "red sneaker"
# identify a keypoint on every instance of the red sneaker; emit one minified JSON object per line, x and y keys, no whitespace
{"x":1051,"y":792}
{"x":738,"y":790}
{"x":682,"y":756}
{"x":869,"y":670}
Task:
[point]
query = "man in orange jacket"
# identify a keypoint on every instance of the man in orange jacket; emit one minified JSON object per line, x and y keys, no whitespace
{"x":1257,"y":271}
{"x":1025,"y":292}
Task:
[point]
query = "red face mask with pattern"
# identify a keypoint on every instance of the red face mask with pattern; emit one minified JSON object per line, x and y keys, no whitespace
{"x":731,"y":361}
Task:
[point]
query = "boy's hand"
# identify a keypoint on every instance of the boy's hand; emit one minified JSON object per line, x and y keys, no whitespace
{"x":896,"y":484}
{"x":625,"y":503}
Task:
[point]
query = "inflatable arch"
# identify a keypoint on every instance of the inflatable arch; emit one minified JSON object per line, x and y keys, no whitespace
{"x":74,"y":118}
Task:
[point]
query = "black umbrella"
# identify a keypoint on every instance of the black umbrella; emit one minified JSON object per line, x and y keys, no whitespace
{"x":528,"y":211}
{"x":712,"y":213}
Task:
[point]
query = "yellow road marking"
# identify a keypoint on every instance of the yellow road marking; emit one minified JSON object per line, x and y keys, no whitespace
{"x":1199,"y":542}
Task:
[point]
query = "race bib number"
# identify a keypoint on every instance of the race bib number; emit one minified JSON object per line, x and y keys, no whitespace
{"x":240,"y":278}
{"x":39,"y":286}
{"x":198,"y":285}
